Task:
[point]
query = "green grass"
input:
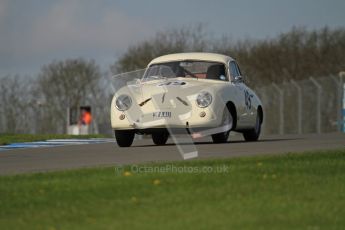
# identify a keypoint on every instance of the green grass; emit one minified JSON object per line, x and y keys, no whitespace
{"x":15,"y":138}
{"x":292,"y":191}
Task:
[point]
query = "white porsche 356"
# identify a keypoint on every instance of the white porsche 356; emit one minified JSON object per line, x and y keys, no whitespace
{"x":199,"y":94}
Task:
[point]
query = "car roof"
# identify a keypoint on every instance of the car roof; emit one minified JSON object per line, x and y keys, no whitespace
{"x":192,"y":56}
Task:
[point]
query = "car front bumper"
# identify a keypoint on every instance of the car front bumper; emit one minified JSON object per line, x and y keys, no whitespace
{"x":192,"y":118}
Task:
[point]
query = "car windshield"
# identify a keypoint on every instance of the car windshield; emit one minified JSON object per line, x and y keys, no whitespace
{"x":191,"y":69}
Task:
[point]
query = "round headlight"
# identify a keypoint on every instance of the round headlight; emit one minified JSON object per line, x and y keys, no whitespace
{"x":204,"y":99}
{"x":123,"y":102}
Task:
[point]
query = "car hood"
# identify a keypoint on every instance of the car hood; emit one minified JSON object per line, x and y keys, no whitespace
{"x":179,"y":87}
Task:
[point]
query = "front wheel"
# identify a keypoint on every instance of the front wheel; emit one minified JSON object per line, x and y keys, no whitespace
{"x":160,"y":138}
{"x":253,"y":134}
{"x":124,"y":138}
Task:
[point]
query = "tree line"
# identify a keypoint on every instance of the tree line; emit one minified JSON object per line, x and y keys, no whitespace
{"x":297,"y":54}
{"x":39,"y":104}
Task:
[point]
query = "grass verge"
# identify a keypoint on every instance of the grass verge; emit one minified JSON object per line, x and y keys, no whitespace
{"x":292,"y":191}
{"x":6,"y":139}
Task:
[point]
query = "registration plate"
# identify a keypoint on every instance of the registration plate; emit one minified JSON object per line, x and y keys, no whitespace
{"x":161,"y":114}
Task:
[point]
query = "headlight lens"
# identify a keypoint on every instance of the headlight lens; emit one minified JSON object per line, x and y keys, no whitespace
{"x":204,"y":99}
{"x":123,"y":102}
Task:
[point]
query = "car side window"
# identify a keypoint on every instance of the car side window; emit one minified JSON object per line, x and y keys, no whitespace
{"x":233,"y":69}
{"x":238,"y":69}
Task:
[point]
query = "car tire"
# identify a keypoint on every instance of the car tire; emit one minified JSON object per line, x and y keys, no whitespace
{"x":253,"y":134}
{"x":124,"y":138}
{"x":223,"y":136}
{"x":160,"y":138}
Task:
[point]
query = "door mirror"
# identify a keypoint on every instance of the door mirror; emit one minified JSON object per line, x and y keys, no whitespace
{"x":238,"y":79}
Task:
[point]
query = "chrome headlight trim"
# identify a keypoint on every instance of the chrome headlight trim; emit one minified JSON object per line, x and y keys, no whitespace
{"x":204,"y":99}
{"x":123,"y":102}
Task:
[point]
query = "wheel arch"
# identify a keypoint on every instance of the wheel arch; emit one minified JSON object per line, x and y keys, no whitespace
{"x":232,"y":109}
{"x":261,"y":113}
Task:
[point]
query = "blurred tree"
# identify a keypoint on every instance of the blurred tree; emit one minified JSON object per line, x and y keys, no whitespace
{"x":64,"y":84}
{"x":14,"y":104}
{"x":297,"y":54}
{"x":170,"y":41}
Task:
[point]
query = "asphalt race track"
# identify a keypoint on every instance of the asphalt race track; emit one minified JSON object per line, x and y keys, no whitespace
{"x":107,"y":154}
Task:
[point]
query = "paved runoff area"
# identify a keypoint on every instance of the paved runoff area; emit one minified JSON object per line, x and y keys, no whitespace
{"x":71,"y":154}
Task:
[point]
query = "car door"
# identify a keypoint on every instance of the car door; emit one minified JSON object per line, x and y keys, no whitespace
{"x":245,"y":108}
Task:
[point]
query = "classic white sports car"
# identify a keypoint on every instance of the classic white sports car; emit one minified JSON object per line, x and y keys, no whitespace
{"x":200,"y":94}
